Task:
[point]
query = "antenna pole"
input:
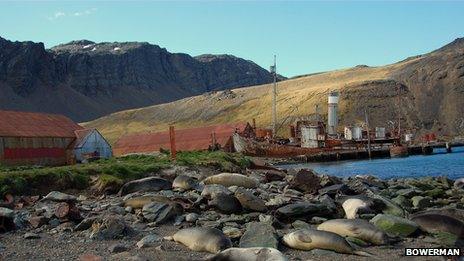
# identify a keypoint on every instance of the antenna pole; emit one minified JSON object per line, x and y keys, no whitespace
{"x":368,"y":134}
{"x":274,"y":98}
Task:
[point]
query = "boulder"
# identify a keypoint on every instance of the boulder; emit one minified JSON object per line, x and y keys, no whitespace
{"x":210,"y":191}
{"x":38,"y":221}
{"x":386,"y":205}
{"x":394,"y":225}
{"x":6,"y":213}
{"x":6,"y":219}
{"x":232,"y":232}
{"x":250,"y":201}
{"x":302,"y":209}
{"x":306,"y":181}
{"x":59,"y":197}
{"x":225,"y":203}
{"x":145,"y":184}
{"x":258,"y":234}
{"x":403,"y":202}
{"x":148,"y":241}
{"x":420,"y":202}
{"x":110,"y":227}
{"x":160,"y":213}
{"x":298,"y":224}
{"x":336,"y":189}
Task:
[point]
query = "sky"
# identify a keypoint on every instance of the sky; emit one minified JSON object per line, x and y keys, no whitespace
{"x":306,"y":36}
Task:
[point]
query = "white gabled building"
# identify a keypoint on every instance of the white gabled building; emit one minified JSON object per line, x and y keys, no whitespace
{"x":91,"y":144}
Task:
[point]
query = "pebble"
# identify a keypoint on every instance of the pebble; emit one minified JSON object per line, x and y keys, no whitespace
{"x":31,"y":235}
{"x":191,"y":217}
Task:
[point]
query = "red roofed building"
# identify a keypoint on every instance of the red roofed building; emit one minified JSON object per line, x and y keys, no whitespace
{"x":36,"y":138}
{"x":202,"y":138}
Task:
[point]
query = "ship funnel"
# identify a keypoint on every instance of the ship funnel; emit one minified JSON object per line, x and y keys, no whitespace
{"x":333,"y":113}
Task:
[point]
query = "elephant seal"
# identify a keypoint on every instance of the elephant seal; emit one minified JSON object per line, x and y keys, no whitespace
{"x":358,"y":228}
{"x":309,"y":239}
{"x":144,"y":185}
{"x":436,"y":222}
{"x":351,"y":207}
{"x":184,"y":183}
{"x":232,"y":179}
{"x":249,"y":254}
{"x":139,"y":202}
{"x":202,"y":239}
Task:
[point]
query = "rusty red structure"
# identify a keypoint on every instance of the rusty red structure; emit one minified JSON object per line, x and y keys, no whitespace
{"x":202,"y":138}
{"x":172,"y":140}
{"x":36,"y":138}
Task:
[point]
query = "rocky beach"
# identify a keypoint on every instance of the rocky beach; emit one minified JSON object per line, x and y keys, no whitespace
{"x":303,"y":214}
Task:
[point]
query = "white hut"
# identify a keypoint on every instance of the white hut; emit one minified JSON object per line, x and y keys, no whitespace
{"x":90,"y":144}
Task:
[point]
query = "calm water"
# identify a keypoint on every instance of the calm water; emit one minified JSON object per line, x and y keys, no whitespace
{"x":437,"y":164}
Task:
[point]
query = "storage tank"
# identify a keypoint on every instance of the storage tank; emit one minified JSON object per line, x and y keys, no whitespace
{"x":380,"y":132}
{"x":332,"y":114}
{"x":309,"y":136}
{"x":356,"y":133}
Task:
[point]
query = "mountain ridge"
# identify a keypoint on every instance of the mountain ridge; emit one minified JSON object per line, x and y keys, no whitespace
{"x":85,"y":80}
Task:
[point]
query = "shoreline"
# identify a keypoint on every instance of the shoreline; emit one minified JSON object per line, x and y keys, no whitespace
{"x":276,"y":203}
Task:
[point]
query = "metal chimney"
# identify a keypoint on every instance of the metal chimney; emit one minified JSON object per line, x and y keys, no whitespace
{"x":333,"y":114}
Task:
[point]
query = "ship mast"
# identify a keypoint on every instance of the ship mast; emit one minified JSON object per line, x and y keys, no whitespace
{"x":399,"y":114}
{"x":274,"y":98}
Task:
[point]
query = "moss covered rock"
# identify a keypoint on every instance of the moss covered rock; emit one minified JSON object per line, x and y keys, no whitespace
{"x":394,"y":225}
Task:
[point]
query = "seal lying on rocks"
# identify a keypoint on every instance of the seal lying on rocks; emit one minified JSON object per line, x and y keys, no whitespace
{"x":249,"y":254}
{"x":351,"y":207}
{"x":232,"y":179}
{"x":183,"y":183}
{"x":309,"y":239}
{"x":145,"y":184}
{"x":357,"y":228}
{"x":139,"y":202}
{"x":202,"y":239}
{"x":435,"y":222}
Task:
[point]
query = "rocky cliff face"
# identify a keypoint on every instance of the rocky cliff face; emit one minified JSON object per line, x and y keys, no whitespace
{"x":85,"y":80}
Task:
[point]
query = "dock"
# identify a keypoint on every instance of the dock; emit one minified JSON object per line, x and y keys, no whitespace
{"x":376,"y":152}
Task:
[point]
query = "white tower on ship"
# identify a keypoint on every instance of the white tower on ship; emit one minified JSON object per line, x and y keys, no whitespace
{"x":332,"y":123}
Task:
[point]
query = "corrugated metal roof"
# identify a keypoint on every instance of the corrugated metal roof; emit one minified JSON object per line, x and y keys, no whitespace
{"x":31,"y":124}
{"x":186,"y":139}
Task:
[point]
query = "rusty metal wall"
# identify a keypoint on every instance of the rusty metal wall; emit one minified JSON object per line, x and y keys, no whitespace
{"x":34,"y":150}
{"x":1,"y":149}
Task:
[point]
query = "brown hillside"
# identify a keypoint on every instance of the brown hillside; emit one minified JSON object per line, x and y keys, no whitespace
{"x":432,"y":99}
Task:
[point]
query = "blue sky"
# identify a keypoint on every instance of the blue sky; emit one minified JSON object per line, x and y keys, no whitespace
{"x":307,"y":37}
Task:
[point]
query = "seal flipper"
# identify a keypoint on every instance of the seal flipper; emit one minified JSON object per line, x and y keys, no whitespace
{"x":364,"y":253}
{"x":304,"y":238}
